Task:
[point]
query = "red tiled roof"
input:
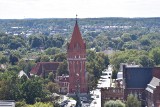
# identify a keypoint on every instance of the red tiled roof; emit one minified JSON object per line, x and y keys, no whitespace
{"x":46,"y":66}
{"x":76,"y":38}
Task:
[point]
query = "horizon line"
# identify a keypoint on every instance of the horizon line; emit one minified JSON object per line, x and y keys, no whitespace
{"x":74,"y":18}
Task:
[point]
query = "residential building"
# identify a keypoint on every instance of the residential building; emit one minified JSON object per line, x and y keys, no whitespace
{"x":153,"y":90}
{"x":63,"y":82}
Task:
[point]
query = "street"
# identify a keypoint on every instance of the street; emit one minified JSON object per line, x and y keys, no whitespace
{"x":96,"y":95}
{"x":104,"y":82}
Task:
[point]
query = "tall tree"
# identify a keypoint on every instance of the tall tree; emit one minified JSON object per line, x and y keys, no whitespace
{"x":63,"y":68}
{"x":155,"y":55}
{"x":132,"y":101}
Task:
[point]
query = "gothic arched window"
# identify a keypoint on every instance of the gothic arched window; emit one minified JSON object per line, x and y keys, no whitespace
{"x":77,"y":46}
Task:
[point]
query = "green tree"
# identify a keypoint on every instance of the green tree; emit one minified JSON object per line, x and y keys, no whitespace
{"x":3,"y":59}
{"x":41,"y":104}
{"x":14,"y":68}
{"x":155,"y":55}
{"x":146,"y":61}
{"x":60,"y":57}
{"x":35,"y":42}
{"x":8,"y":86}
{"x":132,"y":101}
{"x":52,"y":51}
{"x":13,"y":59}
{"x":44,"y":58}
{"x":14,"y":45}
{"x":51,"y":76}
{"x":21,"y":104}
{"x":126,"y":37}
{"x":22,"y":64}
{"x":145,"y":41}
{"x":28,"y":67}
{"x":53,"y":87}
{"x":112,"y":103}
{"x":32,"y":89}
{"x":63,"y":68}
{"x":127,"y":56}
{"x":92,"y":81}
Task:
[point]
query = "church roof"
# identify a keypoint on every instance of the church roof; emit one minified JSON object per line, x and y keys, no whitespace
{"x":47,"y":66}
{"x":76,"y":37}
{"x":137,"y":77}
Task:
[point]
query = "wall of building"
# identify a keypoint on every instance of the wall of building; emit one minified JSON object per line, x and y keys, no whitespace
{"x":111,"y":94}
{"x":156,"y":72}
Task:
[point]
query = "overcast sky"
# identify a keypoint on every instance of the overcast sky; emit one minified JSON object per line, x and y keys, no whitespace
{"x":20,"y":9}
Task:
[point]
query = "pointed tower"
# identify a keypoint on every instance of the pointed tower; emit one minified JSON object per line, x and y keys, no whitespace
{"x":76,"y":56}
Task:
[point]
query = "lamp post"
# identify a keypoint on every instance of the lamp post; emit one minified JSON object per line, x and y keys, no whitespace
{"x":78,"y":104}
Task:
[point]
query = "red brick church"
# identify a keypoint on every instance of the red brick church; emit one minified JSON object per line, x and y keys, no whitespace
{"x":76,"y":56}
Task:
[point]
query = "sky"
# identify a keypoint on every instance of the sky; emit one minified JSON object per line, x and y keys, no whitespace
{"x":20,"y":9}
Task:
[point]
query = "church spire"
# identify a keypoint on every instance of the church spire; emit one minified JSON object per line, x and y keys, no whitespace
{"x":76,"y":36}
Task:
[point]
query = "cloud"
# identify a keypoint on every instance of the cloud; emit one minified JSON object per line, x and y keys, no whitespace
{"x":84,"y":8}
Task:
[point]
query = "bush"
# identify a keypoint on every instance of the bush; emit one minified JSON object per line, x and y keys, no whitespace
{"x":132,"y":101}
{"x":21,"y":104}
{"x":112,"y":103}
{"x":40,"y":104}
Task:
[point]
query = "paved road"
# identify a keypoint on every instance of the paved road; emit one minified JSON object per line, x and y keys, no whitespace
{"x":96,"y":95}
{"x":104,"y":82}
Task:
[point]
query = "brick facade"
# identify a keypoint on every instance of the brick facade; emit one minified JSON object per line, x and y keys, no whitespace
{"x":153,"y":93}
{"x":76,"y":57}
{"x":156,"y":72}
{"x":111,"y":94}
{"x":63,"y":82}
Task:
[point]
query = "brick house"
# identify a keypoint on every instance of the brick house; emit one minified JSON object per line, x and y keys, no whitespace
{"x":136,"y":80}
{"x":111,"y":93}
{"x":143,"y":83}
{"x":63,"y":82}
{"x":153,"y":93}
{"x":153,"y":90}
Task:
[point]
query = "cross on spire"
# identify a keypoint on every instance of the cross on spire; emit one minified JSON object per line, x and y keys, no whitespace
{"x":76,"y":18}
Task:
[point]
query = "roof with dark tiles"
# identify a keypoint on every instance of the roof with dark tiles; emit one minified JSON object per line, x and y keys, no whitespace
{"x":137,"y":77}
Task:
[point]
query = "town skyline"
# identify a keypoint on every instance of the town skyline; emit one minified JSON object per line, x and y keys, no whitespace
{"x":20,"y":9}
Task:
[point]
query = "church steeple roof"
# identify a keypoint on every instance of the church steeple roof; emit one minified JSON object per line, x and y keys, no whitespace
{"x":76,"y":36}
